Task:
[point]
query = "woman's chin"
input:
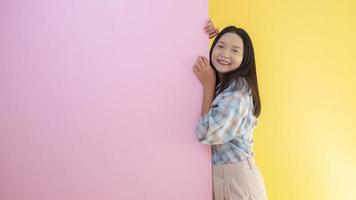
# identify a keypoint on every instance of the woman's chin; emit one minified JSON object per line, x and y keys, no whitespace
{"x":222,"y":69}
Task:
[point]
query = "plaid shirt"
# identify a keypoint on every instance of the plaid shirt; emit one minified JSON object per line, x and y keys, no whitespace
{"x":228,"y":126}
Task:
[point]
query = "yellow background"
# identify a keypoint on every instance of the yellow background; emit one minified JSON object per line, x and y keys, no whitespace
{"x":305,"y":141}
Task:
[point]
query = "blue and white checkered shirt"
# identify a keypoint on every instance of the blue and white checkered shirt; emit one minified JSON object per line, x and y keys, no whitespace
{"x":228,"y":126}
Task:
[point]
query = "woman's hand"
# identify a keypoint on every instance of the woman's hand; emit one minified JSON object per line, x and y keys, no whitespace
{"x":205,"y":73}
{"x":210,"y":29}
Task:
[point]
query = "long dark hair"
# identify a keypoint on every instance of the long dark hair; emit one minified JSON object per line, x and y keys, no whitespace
{"x":246,"y":70}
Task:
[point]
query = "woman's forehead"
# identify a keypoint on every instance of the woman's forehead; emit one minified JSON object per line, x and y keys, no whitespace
{"x":231,"y":39}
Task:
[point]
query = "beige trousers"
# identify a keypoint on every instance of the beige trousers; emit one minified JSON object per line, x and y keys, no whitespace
{"x":238,"y":181}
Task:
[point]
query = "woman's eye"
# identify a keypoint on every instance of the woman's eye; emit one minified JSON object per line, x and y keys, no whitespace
{"x":220,"y":46}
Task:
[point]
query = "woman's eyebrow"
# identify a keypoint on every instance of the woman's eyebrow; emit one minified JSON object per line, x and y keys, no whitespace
{"x":232,"y":45}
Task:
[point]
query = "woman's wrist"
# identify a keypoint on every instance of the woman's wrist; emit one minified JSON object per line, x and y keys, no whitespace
{"x":208,"y":96}
{"x":208,"y":89}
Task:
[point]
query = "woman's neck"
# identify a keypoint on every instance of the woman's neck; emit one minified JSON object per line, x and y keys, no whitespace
{"x":220,"y":76}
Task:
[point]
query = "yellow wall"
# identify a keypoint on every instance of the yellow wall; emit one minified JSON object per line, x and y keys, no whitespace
{"x":305,"y":141}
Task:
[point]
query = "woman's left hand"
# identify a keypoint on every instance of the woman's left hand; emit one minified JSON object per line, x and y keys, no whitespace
{"x":211,"y":29}
{"x":205,"y":73}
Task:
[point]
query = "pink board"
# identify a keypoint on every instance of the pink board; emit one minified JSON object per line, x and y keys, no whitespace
{"x":99,"y":100}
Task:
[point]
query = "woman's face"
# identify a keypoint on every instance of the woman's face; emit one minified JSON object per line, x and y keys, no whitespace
{"x":228,"y":53}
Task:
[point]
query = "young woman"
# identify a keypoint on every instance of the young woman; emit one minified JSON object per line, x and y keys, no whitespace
{"x":231,"y":106}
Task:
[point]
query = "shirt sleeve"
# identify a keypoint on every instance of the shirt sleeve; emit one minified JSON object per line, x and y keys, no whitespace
{"x":224,"y":119}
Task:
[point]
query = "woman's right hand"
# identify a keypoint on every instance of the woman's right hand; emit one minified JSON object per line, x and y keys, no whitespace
{"x":210,"y":29}
{"x":205,"y":73}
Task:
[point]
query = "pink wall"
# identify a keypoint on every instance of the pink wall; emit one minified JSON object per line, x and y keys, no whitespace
{"x":99,"y":100}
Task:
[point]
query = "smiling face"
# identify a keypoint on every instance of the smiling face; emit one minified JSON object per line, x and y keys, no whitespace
{"x":227,"y":53}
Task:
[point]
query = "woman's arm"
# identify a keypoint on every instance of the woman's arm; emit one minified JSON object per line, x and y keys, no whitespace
{"x":225,"y":120}
{"x":208,"y":96}
{"x":206,"y":76}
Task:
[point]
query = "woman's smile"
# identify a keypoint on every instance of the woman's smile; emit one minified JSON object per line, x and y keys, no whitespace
{"x":223,"y":62}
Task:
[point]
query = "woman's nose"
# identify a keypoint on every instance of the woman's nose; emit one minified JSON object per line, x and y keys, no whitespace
{"x":225,"y":54}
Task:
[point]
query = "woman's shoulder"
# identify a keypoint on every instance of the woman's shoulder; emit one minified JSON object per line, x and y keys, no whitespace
{"x":240,"y":85}
{"x":237,"y":89}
